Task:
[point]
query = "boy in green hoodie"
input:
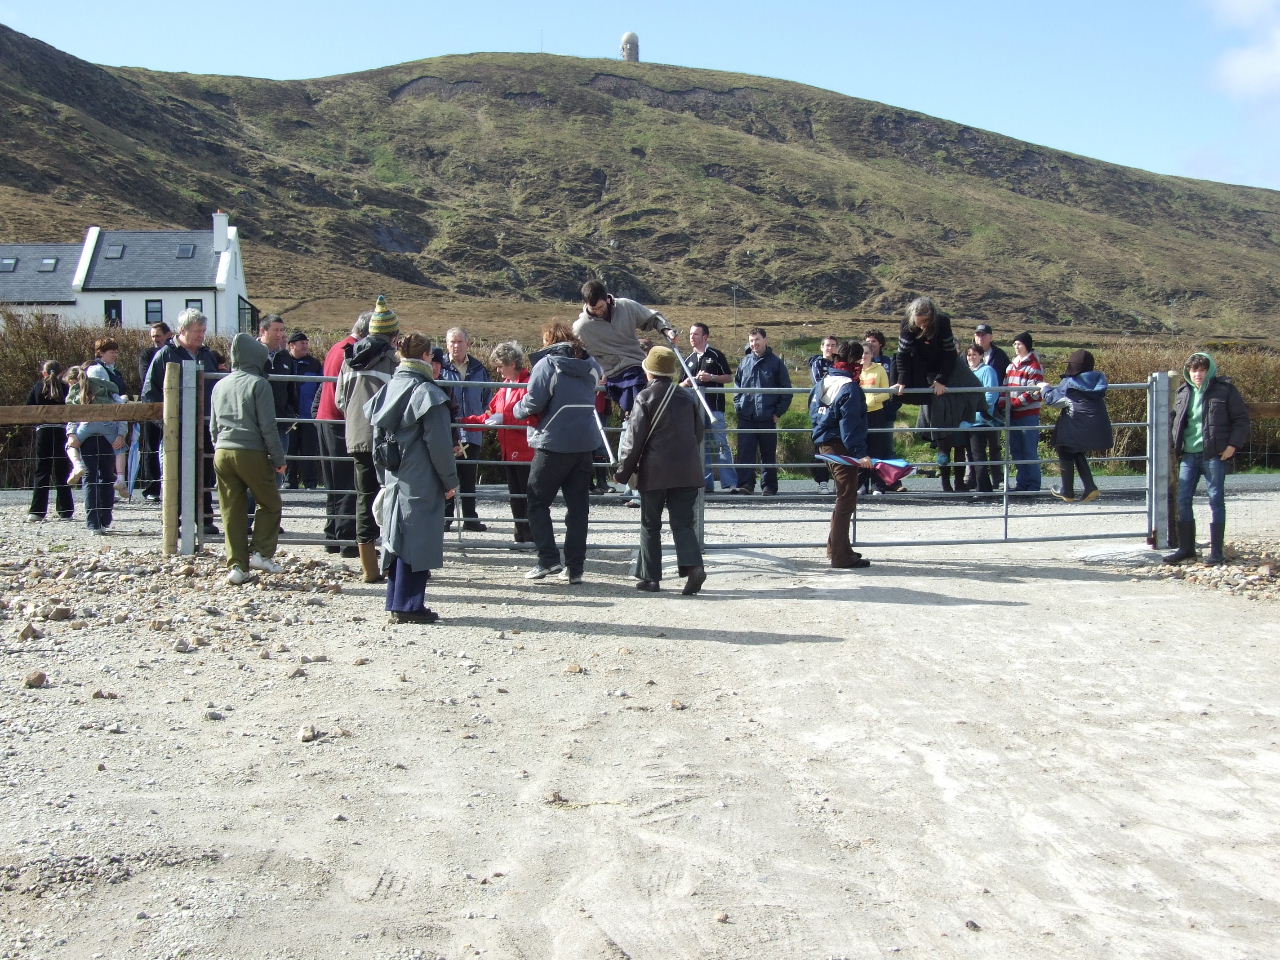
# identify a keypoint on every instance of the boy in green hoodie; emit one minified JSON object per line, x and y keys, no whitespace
{"x":1210,"y":424}
{"x":247,"y":455}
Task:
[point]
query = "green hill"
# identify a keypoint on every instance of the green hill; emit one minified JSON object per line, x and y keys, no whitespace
{"x":516,"y":176}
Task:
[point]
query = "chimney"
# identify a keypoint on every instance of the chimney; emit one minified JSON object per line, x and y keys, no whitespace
{"x":219,"y":232}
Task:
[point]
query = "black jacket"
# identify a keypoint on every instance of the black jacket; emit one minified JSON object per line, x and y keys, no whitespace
{"x":920,"y":363}
{"x":1226,"y":418}
{"x":284,"y":392}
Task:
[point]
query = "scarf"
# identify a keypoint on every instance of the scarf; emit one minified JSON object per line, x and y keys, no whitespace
{"x":417,"y":366}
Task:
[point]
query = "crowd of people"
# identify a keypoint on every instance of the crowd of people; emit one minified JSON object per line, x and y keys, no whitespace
{"x":401,"y":424}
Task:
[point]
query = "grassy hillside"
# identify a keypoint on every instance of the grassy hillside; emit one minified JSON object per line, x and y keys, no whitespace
{"x":516,"y":176}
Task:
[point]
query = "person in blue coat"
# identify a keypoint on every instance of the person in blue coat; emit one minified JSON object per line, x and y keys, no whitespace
{"x":1082,"y":426}
{"x":760,"y":412}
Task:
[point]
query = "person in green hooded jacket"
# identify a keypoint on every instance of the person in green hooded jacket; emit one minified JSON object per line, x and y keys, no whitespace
{"x":1210,"y":424}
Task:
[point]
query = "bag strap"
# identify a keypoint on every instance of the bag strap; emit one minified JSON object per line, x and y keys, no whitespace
{"x":662,"y":408}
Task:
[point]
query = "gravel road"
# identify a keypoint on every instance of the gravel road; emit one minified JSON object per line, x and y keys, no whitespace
{"x":1048,"y":750}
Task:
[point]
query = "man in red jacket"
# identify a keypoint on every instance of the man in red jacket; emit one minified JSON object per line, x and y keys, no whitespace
{"x":336,"y":469}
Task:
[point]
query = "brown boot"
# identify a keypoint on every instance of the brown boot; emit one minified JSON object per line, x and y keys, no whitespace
{"x":369,"y":561}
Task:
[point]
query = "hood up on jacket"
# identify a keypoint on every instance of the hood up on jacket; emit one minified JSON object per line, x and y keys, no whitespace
{"x":1089,"y":381}
{"x":365,"y":353}
{"x":1210,"y":374}
{"x":248,"y":354}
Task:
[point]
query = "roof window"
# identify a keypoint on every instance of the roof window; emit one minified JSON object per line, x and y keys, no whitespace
{"x":115,"y":251}
{"x":186,"y":251}
{"x":8,"y":264}
{"x":48,"y":264}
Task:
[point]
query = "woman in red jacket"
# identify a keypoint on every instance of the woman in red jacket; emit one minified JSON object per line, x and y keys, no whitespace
{"x":509,"y":360}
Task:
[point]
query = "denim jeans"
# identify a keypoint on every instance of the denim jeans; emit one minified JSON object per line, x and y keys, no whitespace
{"x":720,"y":453}
{"x":1214,"y":470}
{"x":1025,"y":445}
{"x":99,"y":479}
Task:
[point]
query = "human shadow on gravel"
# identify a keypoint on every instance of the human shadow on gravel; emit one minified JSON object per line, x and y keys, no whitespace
{"x":624,"y":631}
{"x":1012,"y":571}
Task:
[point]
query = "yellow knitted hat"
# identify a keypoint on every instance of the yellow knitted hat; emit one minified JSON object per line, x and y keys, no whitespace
{"x":384,"y":319}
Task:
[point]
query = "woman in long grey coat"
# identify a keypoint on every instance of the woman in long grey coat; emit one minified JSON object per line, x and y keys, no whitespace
{"x":413,"y":413}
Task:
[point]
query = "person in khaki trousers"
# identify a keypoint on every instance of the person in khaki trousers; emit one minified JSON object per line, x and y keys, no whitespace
{"x":247,"y":457}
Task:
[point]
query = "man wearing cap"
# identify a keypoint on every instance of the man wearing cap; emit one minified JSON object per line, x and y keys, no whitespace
{"x":992,"y":356}
{"x":369,"y":365}
{"x":306,"y":440}
{"x":462,"y":367}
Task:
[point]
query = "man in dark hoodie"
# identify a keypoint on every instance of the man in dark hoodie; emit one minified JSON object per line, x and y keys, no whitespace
{"x":247,"y":457}
{"x":1210,"y":424}
{"x":369,"y":365}
{"x":562,"y":389}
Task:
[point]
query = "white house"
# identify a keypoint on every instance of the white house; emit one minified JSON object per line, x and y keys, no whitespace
{"x":133,"y":278}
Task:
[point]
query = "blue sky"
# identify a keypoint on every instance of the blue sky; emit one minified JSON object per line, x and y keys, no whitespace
{"x":1184,"y":87}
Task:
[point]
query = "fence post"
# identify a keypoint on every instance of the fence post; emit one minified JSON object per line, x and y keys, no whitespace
{"x":188,"y":475}
{"x":1159,"y":460}
{"x":171,"y":440}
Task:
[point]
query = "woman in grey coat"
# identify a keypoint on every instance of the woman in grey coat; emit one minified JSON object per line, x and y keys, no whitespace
{"x":663,"y":448}
{"x":413,"y":413}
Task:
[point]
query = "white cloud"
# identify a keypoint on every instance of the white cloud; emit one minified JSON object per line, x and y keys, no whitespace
{"x":1253,"y":71}
{"x":1245,"y":12}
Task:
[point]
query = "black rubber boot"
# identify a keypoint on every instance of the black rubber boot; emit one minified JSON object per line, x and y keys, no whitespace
{"x":1186,"y":543}
{"x":1215,"y":558}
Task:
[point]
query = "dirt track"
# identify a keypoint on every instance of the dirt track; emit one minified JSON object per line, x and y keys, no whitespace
{"x":1008,"y":751}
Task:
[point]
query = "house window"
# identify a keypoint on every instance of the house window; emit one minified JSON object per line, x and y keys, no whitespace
{"x":155,"y":311}
{"x":195,"y":305}
{"x":115,"y":251}
{"x":8,"y":264}
{"x":113,"y":313}
{"x":186,"y":251}
{"x":48,"y":264}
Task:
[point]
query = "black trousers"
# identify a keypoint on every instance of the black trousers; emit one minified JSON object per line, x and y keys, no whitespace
{"x":549,"y":474}
{"x":517,"y":486}
{"x":305,"y":443}
{"x":339,"y":477}
{"x":52,"y":468}
{"x":680,"y":503}
{"x":468,"y":472}
{"x":149,"y":458}
{"x":367,"y":487}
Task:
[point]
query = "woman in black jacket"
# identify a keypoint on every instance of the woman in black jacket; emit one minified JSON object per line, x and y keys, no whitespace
{"x":662,"y":446}
{"x":52,"y":465}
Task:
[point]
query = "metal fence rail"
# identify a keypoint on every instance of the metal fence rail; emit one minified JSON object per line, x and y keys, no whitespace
{"x":1147,"y":498}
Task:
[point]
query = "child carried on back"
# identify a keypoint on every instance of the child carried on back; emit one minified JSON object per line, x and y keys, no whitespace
{"x":92,"y":445}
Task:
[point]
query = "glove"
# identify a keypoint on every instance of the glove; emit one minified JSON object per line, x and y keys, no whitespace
{"x":494,"y":420}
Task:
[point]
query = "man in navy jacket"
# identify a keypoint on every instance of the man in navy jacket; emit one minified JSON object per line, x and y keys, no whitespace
{"x":761,"y":367}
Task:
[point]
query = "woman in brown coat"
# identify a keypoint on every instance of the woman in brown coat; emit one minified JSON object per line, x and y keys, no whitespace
{"x":662,"y":446}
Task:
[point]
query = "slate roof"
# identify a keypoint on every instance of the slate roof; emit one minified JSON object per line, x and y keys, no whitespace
{"x":151,"y":262}
{"x":27,"y":284}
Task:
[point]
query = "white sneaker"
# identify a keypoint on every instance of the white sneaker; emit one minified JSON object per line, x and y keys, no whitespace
{"x":258,"y":562}
{"x":824,"y":488}
{"x":538,"y":572}
{"x":570,"y":578}
{"x":236,"y":577}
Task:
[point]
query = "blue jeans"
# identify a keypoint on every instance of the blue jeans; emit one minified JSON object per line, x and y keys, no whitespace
{"x":99,"y":479}
{"x":1214,"y":471}
{"x":718,"y":451}
{"x":1025,"y":445}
